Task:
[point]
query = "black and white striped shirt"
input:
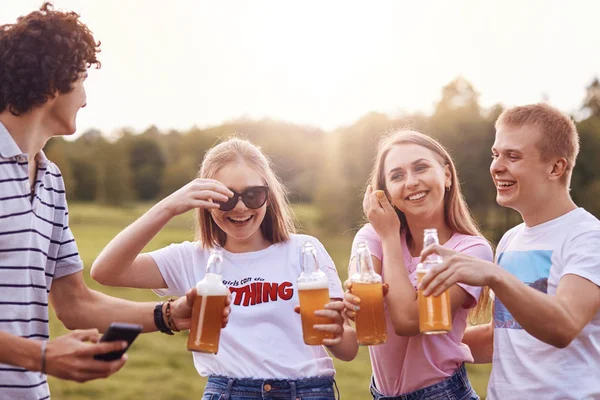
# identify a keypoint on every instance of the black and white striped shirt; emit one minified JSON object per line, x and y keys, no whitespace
{"x":36,"y":246}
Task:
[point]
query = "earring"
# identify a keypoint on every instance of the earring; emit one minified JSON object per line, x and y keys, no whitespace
{"x":448,"y":188}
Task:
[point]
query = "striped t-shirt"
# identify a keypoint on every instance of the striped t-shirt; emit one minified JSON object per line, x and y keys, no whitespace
{"x":36,"y":246}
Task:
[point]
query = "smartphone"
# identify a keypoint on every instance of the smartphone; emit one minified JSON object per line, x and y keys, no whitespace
{"x":118,"y":331}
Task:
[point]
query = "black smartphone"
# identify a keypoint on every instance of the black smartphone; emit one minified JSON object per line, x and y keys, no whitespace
{"x":118,"y":331}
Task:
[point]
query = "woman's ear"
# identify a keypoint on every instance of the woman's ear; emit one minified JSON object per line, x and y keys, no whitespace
{"x":448,"y":175}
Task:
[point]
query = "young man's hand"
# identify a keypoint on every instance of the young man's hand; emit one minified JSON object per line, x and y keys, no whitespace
{"x":455,"y":268}
{"x":181,"y":310}
{"x":70,"y":357}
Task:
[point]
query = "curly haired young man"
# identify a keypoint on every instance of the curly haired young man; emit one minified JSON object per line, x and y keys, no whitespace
{"x":44,"y":58}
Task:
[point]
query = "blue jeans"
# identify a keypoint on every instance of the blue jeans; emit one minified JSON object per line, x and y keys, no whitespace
{"x":455,"y":387}
{"x":224,"y":388}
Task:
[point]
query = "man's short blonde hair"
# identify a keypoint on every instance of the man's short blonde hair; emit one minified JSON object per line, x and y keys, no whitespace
{"x":559,"y":137}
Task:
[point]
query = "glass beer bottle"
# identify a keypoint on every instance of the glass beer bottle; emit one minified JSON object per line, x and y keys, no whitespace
{"x":207,"y":312}
{"x":371,"y":328}
{"x":435,"y":316}
{"x":313,"y":294}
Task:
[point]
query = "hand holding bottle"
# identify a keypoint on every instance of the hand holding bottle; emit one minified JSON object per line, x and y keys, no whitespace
{"x":352,"y":302}
{"x":209,"y":307}
{"x":313,"y":294}
{"x":181,"y":310}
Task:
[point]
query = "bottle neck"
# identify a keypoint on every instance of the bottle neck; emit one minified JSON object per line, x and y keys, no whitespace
{"x":431,"y":238}
{"x":364,"y":265}
{"x":215,"y":263}
{"x":309,"y":263}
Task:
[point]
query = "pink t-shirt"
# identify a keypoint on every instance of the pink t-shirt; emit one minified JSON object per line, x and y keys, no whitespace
{"x":408,"y":363}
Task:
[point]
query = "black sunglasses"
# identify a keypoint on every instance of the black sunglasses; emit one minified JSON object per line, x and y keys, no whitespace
{"x":253,"y":197}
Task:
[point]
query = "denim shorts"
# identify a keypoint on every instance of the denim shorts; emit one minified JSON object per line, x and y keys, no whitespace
{"x":455,"y":387}
{"x":224,"y":388}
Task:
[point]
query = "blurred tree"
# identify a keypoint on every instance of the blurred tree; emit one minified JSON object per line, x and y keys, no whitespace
{"x":177,"y":174}
{"x":113,"y":174}
{"x":591,"y":103}
{"x":85,"y":164}
{"x":85,"y":176}
{"x":585,"y":181}
{"x":57,"y":151}
{"x":350,"y":156}
{"x":147,"y":164}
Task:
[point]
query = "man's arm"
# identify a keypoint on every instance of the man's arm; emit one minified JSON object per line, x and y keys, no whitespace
{"x":555,"y":320}
{"x":480,"y":340}
{"x":79,"y":307}
{"x":66,"y":357}
{"x":21,"y":352}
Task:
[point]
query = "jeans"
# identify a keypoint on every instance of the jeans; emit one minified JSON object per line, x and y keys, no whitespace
{"x":455,"y":387}
{"x":224,"y":388}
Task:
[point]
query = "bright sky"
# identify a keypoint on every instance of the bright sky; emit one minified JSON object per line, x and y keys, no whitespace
{"x":179,"y":63}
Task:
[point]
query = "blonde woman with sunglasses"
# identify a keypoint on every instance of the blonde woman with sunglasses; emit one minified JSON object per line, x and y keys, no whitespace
{"x":242,"y":208}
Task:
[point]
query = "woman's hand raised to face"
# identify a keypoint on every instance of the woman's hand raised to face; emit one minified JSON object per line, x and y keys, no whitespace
{"x":381,"y":213}
{"x":199,"y":193}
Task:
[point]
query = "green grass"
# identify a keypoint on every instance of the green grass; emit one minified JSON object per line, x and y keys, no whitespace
{"x":159,"y":366}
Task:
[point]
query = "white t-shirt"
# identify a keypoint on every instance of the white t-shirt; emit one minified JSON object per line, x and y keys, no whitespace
{"x":263,"y":338}
{"x":524,"y":367}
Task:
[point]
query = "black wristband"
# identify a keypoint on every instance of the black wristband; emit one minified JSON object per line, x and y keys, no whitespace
{"x":159,"y":321}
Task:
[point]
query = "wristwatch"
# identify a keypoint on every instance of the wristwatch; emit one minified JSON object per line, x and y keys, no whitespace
{"x":159,"y":321}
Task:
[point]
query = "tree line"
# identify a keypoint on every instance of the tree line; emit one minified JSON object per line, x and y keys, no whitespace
{"x":327,"y":169}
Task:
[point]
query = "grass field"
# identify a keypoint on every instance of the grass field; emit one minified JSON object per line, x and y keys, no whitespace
{"x":159,"y":365}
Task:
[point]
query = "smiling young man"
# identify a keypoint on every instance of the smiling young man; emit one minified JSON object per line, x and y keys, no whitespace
{"x":546,"y":326}
{"x":44,"y":58}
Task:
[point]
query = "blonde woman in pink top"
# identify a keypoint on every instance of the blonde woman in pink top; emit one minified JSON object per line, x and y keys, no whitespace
{"x":420,"y":191}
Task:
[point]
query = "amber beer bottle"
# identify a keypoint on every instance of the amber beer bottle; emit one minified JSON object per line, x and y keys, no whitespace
{"x":207,"y":312}
{"x":435,"y":316}
{"x":371,"y":328}
{"x":313,"y":294}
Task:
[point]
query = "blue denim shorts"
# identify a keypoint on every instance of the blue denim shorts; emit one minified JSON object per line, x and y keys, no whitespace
{"x":455,"y":387}
{"x":224,"y":388}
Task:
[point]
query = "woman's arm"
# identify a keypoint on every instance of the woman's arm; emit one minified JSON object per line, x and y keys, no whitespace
{"x":480,"y":340}
{"x":120,"y":262}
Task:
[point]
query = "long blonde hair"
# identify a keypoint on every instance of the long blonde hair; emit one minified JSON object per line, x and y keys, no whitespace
{"x":457,"y":215}
{"x":278,"y":222}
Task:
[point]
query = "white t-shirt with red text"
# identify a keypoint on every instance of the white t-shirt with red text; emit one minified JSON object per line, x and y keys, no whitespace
{"x":263,"y":338}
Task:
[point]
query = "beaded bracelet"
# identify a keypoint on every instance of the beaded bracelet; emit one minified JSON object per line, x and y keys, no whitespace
{"x":170,"y":321}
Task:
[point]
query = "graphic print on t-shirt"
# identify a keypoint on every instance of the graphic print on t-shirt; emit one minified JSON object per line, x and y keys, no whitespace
{"x":254,"y":291}
{"x":532,"y":267}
